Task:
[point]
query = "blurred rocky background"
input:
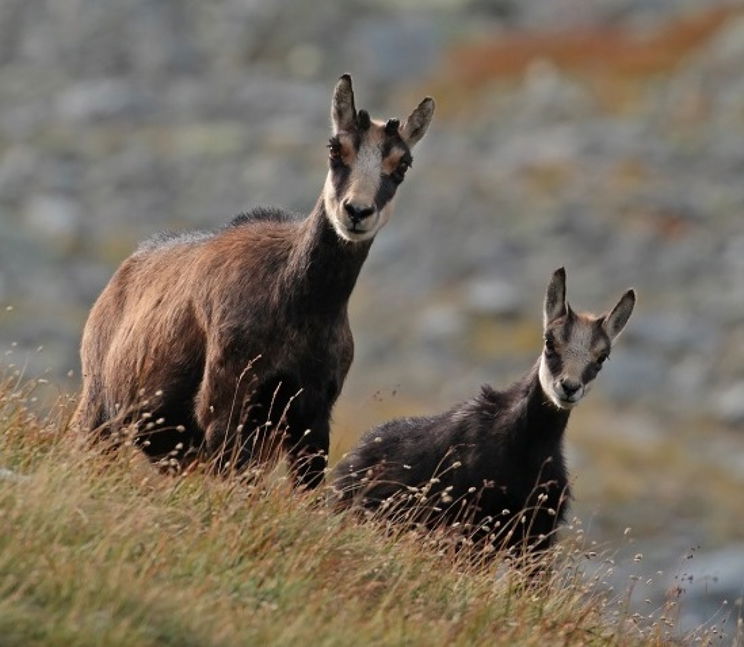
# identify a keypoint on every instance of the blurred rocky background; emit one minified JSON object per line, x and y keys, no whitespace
{"x":605,"y":136}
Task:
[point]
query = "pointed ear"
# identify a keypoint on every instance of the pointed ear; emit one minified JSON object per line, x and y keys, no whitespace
{"x":418,"y":121}
{"x":343,"y":112}
{"x":615,"y":321}
{"x":555,"y":298}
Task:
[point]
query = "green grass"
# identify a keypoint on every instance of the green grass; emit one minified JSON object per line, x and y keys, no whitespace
{"x":101,"y":550}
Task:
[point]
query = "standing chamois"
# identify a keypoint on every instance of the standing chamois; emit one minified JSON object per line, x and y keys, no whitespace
{"x":226,"y":342}
{"x":492,"y":466}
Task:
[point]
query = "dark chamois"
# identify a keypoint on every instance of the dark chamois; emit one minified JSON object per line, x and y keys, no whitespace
{"x":492,"y":466}
{"x":210,"y":342}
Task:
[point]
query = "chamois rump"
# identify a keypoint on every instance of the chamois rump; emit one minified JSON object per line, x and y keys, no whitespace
{"x":221,"y":344}
{"x":491,"y":466}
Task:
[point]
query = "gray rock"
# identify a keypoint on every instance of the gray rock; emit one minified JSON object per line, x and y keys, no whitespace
{"x":690,"y":377}
{"x":727,"y":46}
{"x":56,"y":217}
{"x":728,"y":404}
{"x":713,"y":582}
{"x":97,"y":99}
{"x":547,"y":94}
{"x":672,"y":332}
{"x":441,"y":323}
{"x":633,"y":375}
{"x":538,"y":145}
{"x":10,"y":475}
{"x":493,"y":297}
{"x":17,"y":168}
{"x":385,"y":51}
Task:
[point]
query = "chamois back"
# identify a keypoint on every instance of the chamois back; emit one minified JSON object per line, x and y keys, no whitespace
{"x":492,"y":466}
{"x":234,"y":343}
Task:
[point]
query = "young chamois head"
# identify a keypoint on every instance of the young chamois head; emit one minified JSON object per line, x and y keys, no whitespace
{"x":576,"y":345}
{"x":368,"y":159}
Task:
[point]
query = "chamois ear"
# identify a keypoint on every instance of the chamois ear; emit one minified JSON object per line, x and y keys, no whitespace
{"x":614,"y":322}
{"x":414,"y":128}
{"x":343,"y":112}
{"x":555,"y":298}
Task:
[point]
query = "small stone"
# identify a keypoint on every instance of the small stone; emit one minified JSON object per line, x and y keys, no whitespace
{"x":493,"y":297}
{"x":728,"y":404}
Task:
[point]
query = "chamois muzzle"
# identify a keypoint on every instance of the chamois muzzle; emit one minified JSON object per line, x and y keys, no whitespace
{"x":568,"y":390}
{"x":358,"y":213}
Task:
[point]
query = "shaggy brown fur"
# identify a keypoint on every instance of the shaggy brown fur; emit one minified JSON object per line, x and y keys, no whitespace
{"x":491,"y":467}
{"x":236,"y":341}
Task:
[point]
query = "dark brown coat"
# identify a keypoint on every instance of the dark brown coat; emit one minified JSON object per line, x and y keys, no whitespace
{"x":237,"y":341}
{"x":182,"y":319}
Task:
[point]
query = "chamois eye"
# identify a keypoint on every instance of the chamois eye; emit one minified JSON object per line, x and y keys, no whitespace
{"x":602,"y":359}
{"x":549,"y":347}
{"x":399,"y":173}
{"x":334,"y":150}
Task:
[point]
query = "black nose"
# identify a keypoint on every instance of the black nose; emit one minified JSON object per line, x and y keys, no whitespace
{"x":357,"y":213}
{"x":570,"y":387}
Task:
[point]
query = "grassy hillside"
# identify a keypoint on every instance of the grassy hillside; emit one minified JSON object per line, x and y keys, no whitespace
{"x":97,"y":550}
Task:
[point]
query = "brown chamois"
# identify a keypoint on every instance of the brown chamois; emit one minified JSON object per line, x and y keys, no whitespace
{"x":207,"y":343}
{"x":492,"y":466}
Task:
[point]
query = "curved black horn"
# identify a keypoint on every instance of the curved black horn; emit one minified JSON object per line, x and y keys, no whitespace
{"x":391,"y":127}
{"x":363,"y":120}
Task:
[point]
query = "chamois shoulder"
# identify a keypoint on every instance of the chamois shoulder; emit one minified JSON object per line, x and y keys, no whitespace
{"x":263,"y":214}
{"x":488,"y":405}
{"x":398,"y":429}
{"x":165,"y":239}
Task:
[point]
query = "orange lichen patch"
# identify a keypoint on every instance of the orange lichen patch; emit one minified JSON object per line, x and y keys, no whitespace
{"x":497,"y":338}
{"x":662,"y":221}
{"x":546,"y":178}
{"x":611,"y":59}
{"x":630,"y":173}
{"x":592,"y":50}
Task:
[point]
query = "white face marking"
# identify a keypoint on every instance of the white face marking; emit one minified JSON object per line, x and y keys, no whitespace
{"x":546,"y":382}
{"x":555,"y":392}
{"x":361,"y":191}
{"x":365,"y":174}
{"x":354,"y":215}
{"x":576,"y":345}
{"x":576,"y":354}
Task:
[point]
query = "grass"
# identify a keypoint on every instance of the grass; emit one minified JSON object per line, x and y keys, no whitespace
{"x":104,"y":550}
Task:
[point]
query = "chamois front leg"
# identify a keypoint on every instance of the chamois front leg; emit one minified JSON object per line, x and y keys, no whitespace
{"x":307,"y":449}
{"x":220,"y":403}
{"x":89,"y":417}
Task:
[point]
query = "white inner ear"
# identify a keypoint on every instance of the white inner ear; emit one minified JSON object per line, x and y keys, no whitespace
{"x":344,"y":123}
{"x":551,"y":312}
{"x":343,"y":112}
{"x":416,"y":125}
{"x":613,"y":328}
{"x":618,"y":318}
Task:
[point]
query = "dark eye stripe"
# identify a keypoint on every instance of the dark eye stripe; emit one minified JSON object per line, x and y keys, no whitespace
{"x":589,"y":373}
{"x":395,"y":142}
{"x":555,"y":364}
{"x":340,"y":178}
{"x":385,"y":192}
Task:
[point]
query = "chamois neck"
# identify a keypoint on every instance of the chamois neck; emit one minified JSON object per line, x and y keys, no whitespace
{"x":323,"y":268}
{"x":541,"y":415}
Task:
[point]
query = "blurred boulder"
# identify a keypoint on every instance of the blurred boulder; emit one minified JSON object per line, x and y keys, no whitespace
{"x":98,"y":99}
{"x":635,"y":376}
{"x":57,"y":218}
{"x":493,"y":297}
{"x":713,"y":584}
{"x":728,"y":403}
{"x":441,"y":324}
